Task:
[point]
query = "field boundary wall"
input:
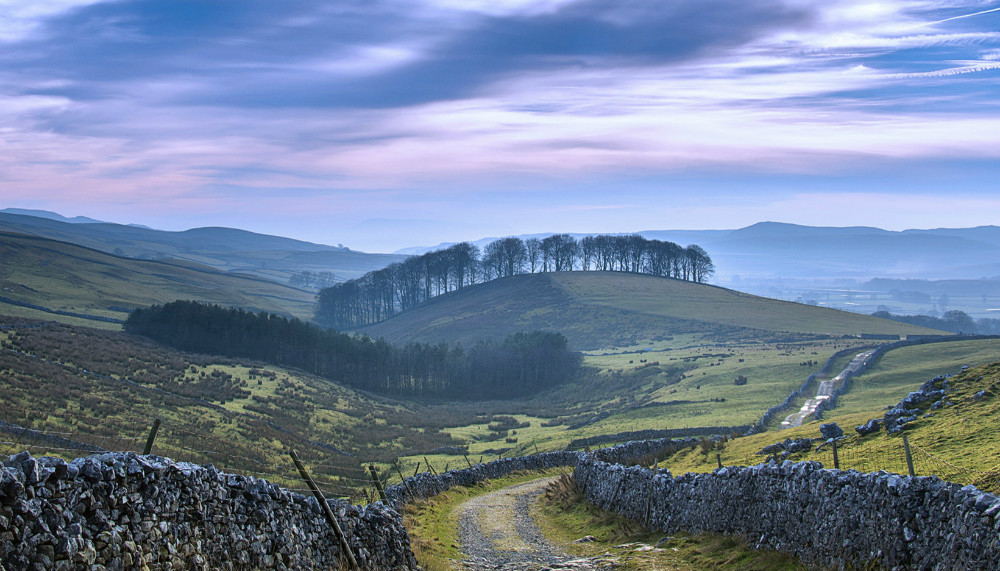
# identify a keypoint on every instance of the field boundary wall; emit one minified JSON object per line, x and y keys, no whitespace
{"x":125,"y":511}
{"x":880,"y":351}
{"x":827,"y":518}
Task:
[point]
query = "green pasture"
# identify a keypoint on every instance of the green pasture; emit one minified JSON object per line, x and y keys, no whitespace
{"x":614,"y":312}
{"x":957,"y":443}
{"x":648,"y":295}
{"x":773,"y":371}
{"x":903,"y":370}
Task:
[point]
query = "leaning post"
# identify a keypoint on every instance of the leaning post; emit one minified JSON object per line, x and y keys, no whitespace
{"x":909,"y":457}
{"x":152,"y":437}
{"x":378,"y":483}
{"x":330,"y":518}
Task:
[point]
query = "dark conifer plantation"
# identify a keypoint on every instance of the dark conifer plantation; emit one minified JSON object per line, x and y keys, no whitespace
{"x":524,"y":363}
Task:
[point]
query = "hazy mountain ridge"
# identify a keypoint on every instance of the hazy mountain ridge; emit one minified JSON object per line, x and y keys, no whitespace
{"x":774,"y":249}
{"x":830,"y":265}
{"x":226,"y":249}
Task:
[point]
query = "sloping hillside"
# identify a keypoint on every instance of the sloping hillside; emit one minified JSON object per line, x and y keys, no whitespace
{"x":66,"y":279}
{"x":603,"y":310}
{"x":226,"y":249}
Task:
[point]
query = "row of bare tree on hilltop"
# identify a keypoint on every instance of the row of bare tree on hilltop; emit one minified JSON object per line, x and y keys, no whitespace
{"x":381,"y":294}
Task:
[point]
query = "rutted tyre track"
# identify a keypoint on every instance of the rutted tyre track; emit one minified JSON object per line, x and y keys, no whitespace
{"x":496,"y":531}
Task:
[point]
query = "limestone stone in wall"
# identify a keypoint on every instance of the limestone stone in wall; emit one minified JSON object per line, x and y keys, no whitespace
{"x":129,"y":511}
{"x":826,"y":517}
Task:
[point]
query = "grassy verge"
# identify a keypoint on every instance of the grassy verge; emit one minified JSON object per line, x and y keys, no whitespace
{"x":956,"y":443}
{"x":564,"y":516}
{"x":433,"y":522}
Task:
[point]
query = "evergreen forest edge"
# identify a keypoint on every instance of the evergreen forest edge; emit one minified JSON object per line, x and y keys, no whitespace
{"x":522,"y":364}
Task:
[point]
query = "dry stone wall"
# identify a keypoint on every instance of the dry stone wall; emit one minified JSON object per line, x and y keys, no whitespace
{"x":426,"y":484}
{"x":124,"y":511}
{"x":119,"y":511}
{"x":828,"y":518}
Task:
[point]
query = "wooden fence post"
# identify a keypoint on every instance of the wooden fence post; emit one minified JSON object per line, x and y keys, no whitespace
{"x":330,"y":518}
{"x":617,"y":490}
{"x":378,"y":484}
{"x":909,"y":458}
{"x":429,"y":467}
{"x":836,"y":458}
{"x":152,"y":436}
{"x":467,"y":460}
{"x":718,"y":458}
{"x":409,"y":492}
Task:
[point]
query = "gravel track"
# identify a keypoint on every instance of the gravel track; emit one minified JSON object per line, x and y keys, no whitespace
{"x":496,"y":531}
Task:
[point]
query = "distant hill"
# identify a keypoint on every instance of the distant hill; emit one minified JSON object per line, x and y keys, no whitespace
{"x":830,"y":265}
{"x":50,"y":215}
{"x":791,"y":251}
{"x":226,"y":249}
{"x":608,"y":310}
{"x":778,"y":250}
{"x":47,"y":278}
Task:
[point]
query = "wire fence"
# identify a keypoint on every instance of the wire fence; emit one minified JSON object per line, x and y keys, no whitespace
{"x":889,"y":453}
{"x":70,"y":435}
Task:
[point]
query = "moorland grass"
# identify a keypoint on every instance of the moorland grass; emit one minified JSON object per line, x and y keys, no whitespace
{"x":618,"y":311}
{"x":66,"y":277}
{"x":957,"y":443}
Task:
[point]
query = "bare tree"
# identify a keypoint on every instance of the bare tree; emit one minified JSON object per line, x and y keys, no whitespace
{"x":533,"y":247}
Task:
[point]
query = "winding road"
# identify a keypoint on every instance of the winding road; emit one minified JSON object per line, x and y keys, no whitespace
{"x":825,"y":391}
{"x":496,"y":531}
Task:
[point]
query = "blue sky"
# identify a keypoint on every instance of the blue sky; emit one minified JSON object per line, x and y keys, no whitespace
{"x":382,"y":124}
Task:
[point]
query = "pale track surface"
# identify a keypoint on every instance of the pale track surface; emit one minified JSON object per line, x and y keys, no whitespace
{"x":496,"y":531}
{"x":824,"y":392}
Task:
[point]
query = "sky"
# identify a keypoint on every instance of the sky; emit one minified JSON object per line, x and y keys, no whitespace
{"x":383,"y":124}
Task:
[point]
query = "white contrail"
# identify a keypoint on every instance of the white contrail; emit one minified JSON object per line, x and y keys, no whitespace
{"x":952,"y":18}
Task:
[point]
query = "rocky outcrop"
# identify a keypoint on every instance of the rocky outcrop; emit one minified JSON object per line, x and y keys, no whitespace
{"x":831,"y":430}
{"x":787,"y":447}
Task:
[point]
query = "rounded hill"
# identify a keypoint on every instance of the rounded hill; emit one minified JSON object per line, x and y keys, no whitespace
{"x":606,"y":310}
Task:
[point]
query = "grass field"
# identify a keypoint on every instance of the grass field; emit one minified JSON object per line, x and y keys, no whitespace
{"x":616,"y":312}
{"x":67,"y":278}
{"x":902,"y":370}
{"x":785,"y":360}
{"x":105,"y":388}
{"x":957,"y":443}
